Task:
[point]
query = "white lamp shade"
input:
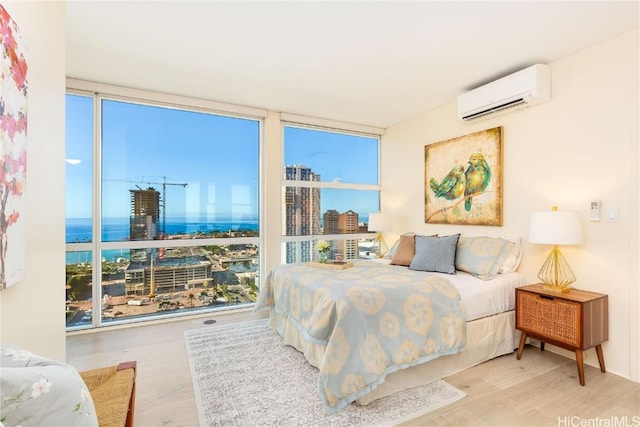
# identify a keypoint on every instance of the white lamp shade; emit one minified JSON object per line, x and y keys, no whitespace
{"x":555,"y":228}
{"x":379,"y":222}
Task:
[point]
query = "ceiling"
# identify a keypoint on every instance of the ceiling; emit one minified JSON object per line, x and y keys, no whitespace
{"x":375,"y":63}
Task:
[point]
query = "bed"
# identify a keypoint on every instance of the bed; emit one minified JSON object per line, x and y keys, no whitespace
{"x":386,"y":325}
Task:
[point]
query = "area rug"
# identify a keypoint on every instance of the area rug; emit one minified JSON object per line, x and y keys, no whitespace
{"x":243,"y":375}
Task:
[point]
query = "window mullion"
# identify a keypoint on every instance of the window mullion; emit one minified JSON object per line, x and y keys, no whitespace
{"x":96,"y":279}
{"x":336,"y":185}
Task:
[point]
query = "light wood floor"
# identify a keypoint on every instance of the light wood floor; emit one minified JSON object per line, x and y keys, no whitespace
{"x":541,"y":389}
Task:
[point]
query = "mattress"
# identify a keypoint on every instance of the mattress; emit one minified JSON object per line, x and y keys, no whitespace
{"x":486,"y":298}
{"x":482,"y":298}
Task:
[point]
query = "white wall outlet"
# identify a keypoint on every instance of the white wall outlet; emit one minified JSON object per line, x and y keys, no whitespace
{"x":594,"y":211}
{"x":612,"y":214}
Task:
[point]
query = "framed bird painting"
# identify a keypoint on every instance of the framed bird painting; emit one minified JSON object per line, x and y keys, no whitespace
{"x":463,"y":179}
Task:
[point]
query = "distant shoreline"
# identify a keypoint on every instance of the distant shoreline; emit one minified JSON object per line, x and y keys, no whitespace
{"x":79,"y":230}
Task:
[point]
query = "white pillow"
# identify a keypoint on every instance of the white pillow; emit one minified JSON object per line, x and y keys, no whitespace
{"x":513,"y":258}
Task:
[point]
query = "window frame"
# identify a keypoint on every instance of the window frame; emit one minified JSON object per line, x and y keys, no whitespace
{"x":322,"y":125}
{"x":99,"y":92}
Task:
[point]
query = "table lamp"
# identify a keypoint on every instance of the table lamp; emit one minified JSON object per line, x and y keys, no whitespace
{"x":380,"y":222}
{"x":556,"y":228}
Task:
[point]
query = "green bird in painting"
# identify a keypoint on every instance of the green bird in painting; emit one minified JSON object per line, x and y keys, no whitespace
{"x":478,"y":175}
{"x":452,"y":186}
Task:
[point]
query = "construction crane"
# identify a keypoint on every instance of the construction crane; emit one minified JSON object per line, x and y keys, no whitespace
{"x":164,"y":184}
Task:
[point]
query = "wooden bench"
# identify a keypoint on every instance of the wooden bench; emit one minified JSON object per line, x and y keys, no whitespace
{"x":113,"y":390}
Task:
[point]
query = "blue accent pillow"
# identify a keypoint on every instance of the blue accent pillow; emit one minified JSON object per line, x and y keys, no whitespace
{"x":436,"y":254}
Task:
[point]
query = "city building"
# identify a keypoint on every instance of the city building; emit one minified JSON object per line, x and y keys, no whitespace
{"x":301,"y":213}
{"x":341,"y":223}
{"x":145,"y":213}
{"x":167,"y":274}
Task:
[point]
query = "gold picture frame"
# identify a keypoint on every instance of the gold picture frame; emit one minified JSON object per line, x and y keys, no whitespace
{"x":463,"y":179}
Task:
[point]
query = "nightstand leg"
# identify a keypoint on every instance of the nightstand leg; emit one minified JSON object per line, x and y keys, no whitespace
{"x":600,"y":357}
{"x":523,"y":338}
{"x":541,"y":345}
{"x":580,"y":363}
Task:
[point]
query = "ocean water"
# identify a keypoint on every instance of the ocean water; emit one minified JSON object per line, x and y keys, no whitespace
{"x":78,"y":230}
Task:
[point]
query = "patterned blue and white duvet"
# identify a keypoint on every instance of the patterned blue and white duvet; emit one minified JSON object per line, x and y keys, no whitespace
{"x":373,"y":319}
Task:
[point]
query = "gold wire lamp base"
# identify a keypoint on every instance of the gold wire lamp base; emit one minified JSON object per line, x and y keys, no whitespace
{"x":556,"y":273}
{"x":382,"y":246}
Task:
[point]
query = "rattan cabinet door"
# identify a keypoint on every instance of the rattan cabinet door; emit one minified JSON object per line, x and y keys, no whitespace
{"x":554,"y":318}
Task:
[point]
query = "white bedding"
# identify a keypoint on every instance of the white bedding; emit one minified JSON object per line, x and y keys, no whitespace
{"x":482,"y":298}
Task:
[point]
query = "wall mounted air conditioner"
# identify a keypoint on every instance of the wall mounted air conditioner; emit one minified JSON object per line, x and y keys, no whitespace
{"x":523,"y":88}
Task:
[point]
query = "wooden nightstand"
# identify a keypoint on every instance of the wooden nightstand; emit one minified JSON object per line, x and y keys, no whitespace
{"x":576,"y":320}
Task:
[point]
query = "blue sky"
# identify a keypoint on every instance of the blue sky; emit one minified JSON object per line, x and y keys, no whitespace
{"x":347,"y":158}
{"x":216,"y":156}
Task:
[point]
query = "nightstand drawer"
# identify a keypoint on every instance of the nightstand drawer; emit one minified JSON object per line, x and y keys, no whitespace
{"x":554,"y":318}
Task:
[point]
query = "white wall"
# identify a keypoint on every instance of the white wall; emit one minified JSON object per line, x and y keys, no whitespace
{"x":580,"y":146}
{"x":32,"y":312}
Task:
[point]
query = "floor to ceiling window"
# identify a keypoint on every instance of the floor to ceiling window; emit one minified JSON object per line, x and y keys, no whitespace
{"x":331,"y":184}
{"x":162,"y":207}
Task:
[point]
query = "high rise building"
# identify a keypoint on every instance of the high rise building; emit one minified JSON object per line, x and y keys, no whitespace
{"x":331,"y":222}
{"x":341,"y":223}
{"x":301,"y":213}
{"x":145,"y":212}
